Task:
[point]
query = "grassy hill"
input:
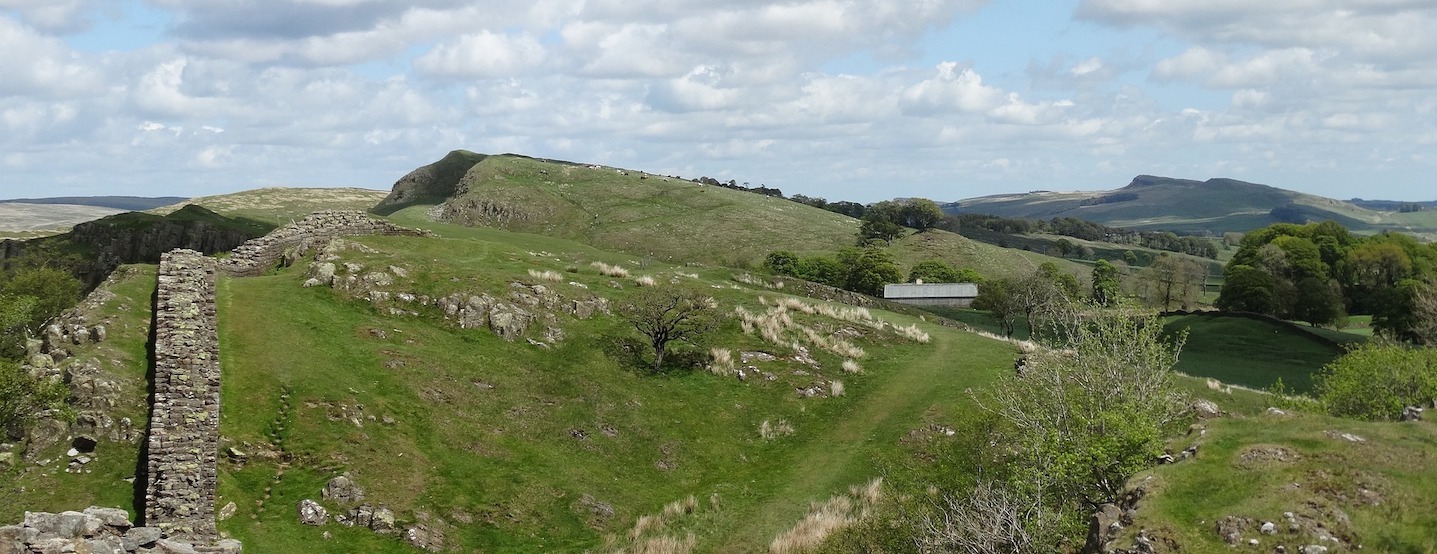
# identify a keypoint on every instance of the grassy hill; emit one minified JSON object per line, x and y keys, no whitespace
{"x":1183,"y":205}
{"x":662,"y":218}
{"x":1254,"y":351}
{"x":515,"y":446}
{"x":278,"y":206}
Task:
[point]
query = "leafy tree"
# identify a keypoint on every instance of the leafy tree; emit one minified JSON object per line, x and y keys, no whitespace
{"x":876,"y":228}
{"x":1173,"y":281}
{"x":1246,"y":289}
{"x":998,"y":298}
{"x":1085,"y":416}
{"x":1317,"y":302}
{"x":23,"y":396}
{"x":920,"y":213}
{"x":14,"y":325}
{"x":1376,"y":381}
{"x":934,"y":271}
{"x":53,"y":290}
{"x":668,"y":313}
{"x":1106,"y":283}
{"x":867,"y":270}
{"x":821,"y":269}
{"x":781,"y":262}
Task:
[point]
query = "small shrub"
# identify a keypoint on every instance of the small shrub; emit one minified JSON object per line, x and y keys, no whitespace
{"x":1376,"y":381}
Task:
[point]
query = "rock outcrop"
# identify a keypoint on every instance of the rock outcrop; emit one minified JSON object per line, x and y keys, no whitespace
{"x":97,"y":530}
{"x":294,"y":240}
{"x":433,"y":183}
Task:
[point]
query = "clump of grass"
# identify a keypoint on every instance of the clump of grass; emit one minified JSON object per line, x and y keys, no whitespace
{"x":721,"y":361}
{"x":552,"y":276}
{"x":689,"y":275}
{"x":913,"y":333}
{"x":666,"y":545}
{"x":645,"y":281}
{"x":851,"y":366}
{"x":835,"y":388}
{"x":774,"y":431}
{"x":680,"y":507}
{"x":644,"y":524}
{"x":825,"y":518}
{"x":749,"y":279}
{"x":611,"y":270}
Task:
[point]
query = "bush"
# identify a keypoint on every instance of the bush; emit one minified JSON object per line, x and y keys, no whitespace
{"x":1375,"y":381}
{"x":23,"y":396}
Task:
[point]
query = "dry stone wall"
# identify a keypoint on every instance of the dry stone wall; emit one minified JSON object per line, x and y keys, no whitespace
{"x":184,"y":418}
{"x":262,"y":254}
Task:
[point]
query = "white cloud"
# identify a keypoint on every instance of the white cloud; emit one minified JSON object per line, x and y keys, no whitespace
{"x":482,"y":55}
{"x":36,"y":64}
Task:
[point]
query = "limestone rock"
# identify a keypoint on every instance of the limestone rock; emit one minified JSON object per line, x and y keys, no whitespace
{"x":1206,"y":409}
{"x":311,"y":513}
{"x":228,"y":511}
{"x":113,"y":517}
{"x":342,"y":489}
{"x":137,"y":537}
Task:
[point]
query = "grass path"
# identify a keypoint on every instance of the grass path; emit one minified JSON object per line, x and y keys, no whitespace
{"x":844,"y":454}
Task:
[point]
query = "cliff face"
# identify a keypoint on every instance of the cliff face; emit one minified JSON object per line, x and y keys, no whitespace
{"x":135,"y":237}
{"x":433,"y":183}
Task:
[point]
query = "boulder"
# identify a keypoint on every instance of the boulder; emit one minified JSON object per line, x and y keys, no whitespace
{"x":342,"y":489}
{"x":382,"y":520}
{"x":137,"y":537}
{"x":311,"y":513}
{"x":113,"y":517}
{"x":1206,"y":409}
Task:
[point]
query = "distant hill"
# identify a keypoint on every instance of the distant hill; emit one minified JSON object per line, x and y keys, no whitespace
{"x":280,"y":205}
{"x":1190,"y":206}
{"x":657,"y":217}
{"x":122,"y":203}
{"x":21,"y":220}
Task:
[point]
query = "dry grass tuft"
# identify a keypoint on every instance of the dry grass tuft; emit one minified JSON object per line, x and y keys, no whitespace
{"x":852,"y":366}
{"x":680,"y":507}
{"x":775,"y":431}
{"x":913,"y":333}
{"x":722,"y":361}
{"x":546,"y":275}
{"x":835,"y":388}
{"x":825,"y":518}
{"x":611,"y":270}
{"x":644,"y":524}
{"x":666,"y":545}
{"x":645,"y":281}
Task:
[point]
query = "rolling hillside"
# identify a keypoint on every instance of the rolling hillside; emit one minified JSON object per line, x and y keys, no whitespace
{"x":1182,"y":205}
{"x":659,"y":218}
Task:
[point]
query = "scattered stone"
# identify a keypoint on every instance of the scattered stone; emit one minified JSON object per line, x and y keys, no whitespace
{"x":1268,"y":528}
{"x":228,"y":511}
{"x":1349,"y":437}
{"x":1206,"y":409}
{"x":1314,"y":549}
{"x":1276,"y":412}
{"x":1412,"y":413}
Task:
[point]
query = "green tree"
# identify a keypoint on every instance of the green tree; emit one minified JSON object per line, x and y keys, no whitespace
{"x":14,"y":325}
{"x":997,"y":297}
{"x":781,"y":262}
{"x":1106,"y":283}
{"x":821,"y":269}
{"x":934,"y":271}
{"x":1084,"y":417}
{"x":667,"y":313}
{"x":1246,"y":289}
{"x":23,"y":396}
{"x":877,"y":228}
{"x":867,"y":270}
{"x":1376,"y":381}
{"x":920,"y":213}
{"x":53,"y":290}
{"x":1317,"y":302}
{"x":1172,"y":281}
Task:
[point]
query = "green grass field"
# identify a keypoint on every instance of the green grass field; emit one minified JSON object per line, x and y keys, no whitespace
{"x":1251,"y":352}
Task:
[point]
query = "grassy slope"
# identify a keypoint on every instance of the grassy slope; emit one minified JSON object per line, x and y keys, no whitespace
{"x":1325,"y":479}
{"x":506,"y":457}
{"x":1252,"y":352}
{"x":278,"y":206}
{"x":123,"y":354}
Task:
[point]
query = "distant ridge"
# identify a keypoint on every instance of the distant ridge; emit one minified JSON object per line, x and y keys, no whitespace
{"x":1213,"y":206}
{"x":127,"y":203}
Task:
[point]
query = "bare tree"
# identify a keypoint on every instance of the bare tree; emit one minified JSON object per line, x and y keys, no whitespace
{"x":666,"y":313}
{"x":992,"y":519}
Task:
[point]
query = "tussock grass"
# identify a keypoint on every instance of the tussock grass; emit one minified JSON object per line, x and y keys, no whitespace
{"x":774,"y":431}
{"x":835,"y":388}
{"x":721,"y":361}
{"x":825,"y":518}
{"x":913,"y":333}
{"x":851,"y":366}
{"x":546,"y":275}
{"x":645,"y":281}
{"x":611,"y":270}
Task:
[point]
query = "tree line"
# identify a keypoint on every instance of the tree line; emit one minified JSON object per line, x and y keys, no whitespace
{"x":1321,"y":272}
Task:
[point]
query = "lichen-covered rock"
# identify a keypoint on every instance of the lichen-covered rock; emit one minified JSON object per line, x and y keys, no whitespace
{"x":342,"y":489}
{"x":311,"y":513}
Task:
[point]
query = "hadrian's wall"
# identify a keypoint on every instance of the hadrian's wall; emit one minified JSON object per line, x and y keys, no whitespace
{"x":262,"y":254}
{"x":185,"y":416}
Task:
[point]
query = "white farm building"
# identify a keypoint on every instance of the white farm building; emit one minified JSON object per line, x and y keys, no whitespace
{"x":958,"y":295}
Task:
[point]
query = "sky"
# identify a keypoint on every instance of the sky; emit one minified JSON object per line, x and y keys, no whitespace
{"x":858,"y":100}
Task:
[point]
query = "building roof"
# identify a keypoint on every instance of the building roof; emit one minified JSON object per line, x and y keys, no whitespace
{"x":931,"y":290}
